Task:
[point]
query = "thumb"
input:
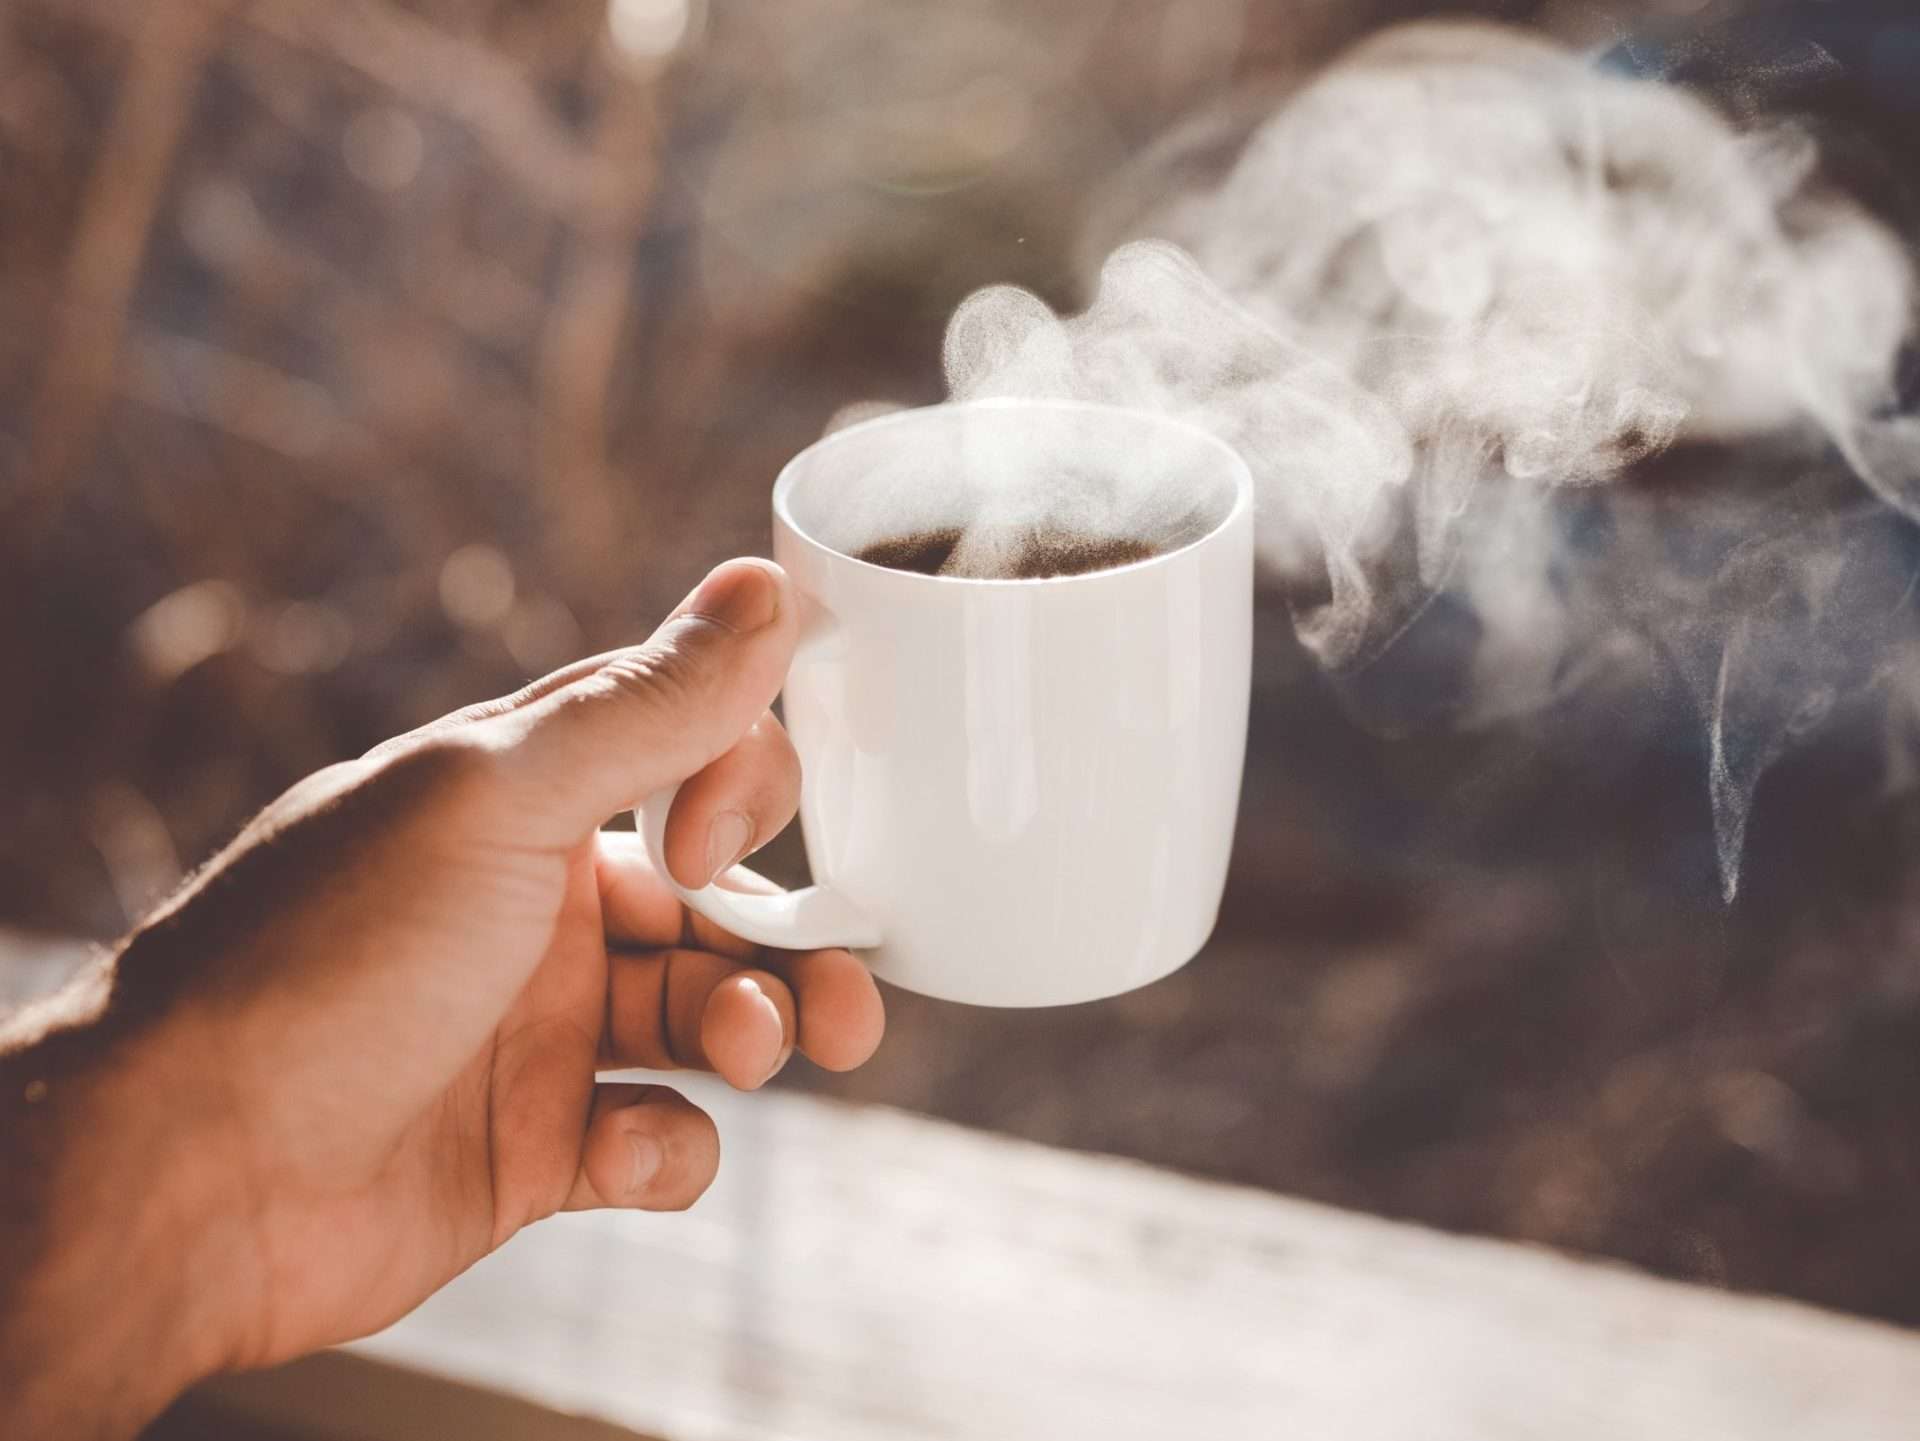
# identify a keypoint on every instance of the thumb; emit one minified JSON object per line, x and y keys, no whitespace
{"x":656,"y":713}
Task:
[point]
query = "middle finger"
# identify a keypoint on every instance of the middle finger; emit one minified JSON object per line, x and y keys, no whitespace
{"x":683,"y":1008}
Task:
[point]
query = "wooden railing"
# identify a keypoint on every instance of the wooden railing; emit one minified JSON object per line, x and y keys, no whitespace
{"x":859,"y":1274}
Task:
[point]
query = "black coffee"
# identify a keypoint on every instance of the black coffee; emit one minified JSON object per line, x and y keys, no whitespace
{"x":1041,"y":554}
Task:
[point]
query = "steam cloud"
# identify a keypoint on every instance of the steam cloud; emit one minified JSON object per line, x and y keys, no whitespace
{"x":1463,"y":274}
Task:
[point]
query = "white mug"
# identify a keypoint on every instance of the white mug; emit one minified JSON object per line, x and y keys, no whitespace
{"x":1015,"y":792}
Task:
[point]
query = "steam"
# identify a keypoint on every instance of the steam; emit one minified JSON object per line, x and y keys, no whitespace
{"x":1463,"y":274}
{"x":1031,"y":491}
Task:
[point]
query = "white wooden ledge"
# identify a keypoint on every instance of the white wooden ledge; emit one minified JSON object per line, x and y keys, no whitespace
{"x":859,"y":1274}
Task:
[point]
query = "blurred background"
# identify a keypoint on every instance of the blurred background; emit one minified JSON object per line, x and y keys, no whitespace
{"x":359,"y":360}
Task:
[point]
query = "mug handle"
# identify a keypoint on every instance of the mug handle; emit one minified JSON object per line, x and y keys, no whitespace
{"x":805,"y":920}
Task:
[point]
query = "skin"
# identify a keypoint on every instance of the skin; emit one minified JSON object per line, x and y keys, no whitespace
{"x":358,"y":1051}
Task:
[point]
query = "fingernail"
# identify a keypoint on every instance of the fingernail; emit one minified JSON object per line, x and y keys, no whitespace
{"x":647,"y":1158}
{"x":771,"y":1022}
{"x":727,"y":841}
{"x":741,"y":597}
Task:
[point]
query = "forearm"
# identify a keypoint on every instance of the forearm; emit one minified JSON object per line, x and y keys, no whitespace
{"x":108,"y":1264}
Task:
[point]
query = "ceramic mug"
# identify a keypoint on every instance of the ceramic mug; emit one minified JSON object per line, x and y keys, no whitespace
{"x":1015,"y":792}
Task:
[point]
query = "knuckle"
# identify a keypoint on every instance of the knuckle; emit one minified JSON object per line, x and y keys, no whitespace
{"x":773,"y":742}
{"x":666,"y":674}
{"x":668,"y":664}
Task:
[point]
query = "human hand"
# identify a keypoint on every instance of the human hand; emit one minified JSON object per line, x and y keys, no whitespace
{"x":359,"y":1050}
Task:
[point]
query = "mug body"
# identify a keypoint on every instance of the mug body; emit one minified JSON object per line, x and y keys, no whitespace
{"x":1030,"y":785}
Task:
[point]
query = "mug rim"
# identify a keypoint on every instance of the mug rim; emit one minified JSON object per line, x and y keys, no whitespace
{"x":789,"y":477}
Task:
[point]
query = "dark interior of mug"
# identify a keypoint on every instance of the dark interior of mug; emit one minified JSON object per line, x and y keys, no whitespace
{"x":986,"y":488}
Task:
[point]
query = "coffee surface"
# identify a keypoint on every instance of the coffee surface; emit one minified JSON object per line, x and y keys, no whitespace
{"x":1039,"y":555}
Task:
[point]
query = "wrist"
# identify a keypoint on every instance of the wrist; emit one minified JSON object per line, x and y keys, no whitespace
{"x":116,"y":1267}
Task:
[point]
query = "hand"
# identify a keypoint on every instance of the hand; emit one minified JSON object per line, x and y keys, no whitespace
{"x":359,"y":1051}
